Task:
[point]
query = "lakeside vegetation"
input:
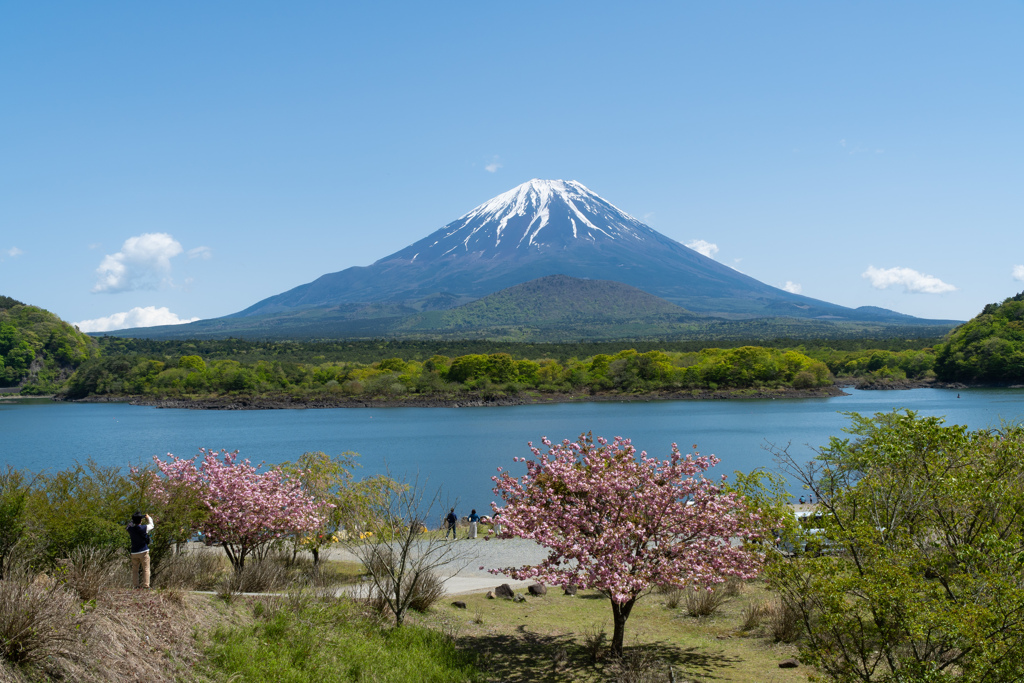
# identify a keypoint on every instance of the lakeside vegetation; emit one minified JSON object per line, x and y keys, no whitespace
{"x":39,"y":355}
{"x":932,"y":593}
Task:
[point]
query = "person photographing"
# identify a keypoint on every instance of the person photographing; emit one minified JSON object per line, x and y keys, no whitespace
{"x":139,"y":535}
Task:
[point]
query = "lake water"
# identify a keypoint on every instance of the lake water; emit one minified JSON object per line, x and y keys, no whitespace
{"x":459,"y":449}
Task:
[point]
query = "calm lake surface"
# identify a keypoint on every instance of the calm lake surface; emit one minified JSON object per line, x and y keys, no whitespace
{"x":459,"y":449}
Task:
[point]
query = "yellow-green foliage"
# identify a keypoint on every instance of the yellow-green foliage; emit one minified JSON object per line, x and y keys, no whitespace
{"x":627,"y":371}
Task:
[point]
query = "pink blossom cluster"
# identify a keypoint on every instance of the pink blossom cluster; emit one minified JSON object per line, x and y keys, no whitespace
{"x":246,"y":508}
{"x":620,"y":523}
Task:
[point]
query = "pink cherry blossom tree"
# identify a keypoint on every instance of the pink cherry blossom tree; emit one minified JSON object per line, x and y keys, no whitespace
{"x":246,"y":509}
{"x":622,"y":524}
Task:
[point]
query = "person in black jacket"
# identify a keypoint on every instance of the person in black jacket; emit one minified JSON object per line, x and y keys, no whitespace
{"x":139,"y":535}
{"x":450,"y":521}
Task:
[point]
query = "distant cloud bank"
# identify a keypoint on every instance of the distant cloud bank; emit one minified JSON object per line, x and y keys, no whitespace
{"x":136,"y":317}
{"x":1018,"y":273}
{"x":702,"y":247}
{"x":910,"y":279}
{"x":142,"y":263}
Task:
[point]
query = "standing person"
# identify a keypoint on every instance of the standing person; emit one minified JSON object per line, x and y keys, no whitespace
{"x":450,"y":521}
{"x":473,"y":519}
{"x":497,"y":524}
{"x":139,"y":535}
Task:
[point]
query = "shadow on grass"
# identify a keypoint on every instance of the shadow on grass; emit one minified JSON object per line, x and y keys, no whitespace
{"x":525,"y":656}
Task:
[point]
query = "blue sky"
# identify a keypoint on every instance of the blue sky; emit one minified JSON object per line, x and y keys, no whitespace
{"x":199,"y":157}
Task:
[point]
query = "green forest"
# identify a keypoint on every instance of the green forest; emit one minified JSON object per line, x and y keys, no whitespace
{"x":38,"y":350}
{"x":988,"y":348}
{"x":41,"y":355}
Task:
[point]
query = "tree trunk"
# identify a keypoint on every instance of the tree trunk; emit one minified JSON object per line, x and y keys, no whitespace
{"x":620,"y":612}
{"x":316,"y":557}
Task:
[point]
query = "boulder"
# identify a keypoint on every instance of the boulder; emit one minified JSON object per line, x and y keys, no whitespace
{"x":518,"y":598}
{"x":789,"y":664}
{"x":459,"y":604}
{"x":490,"y":595}
{"x":504,"y":591}
{"x":570,"y":589}
{"x":537,"y":590}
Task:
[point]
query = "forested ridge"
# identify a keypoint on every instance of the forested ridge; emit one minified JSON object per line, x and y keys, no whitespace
{"x":38,"y":350}
{"x":989,"y":348}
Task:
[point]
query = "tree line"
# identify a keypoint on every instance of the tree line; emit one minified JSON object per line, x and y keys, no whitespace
{"x":627,"y":371}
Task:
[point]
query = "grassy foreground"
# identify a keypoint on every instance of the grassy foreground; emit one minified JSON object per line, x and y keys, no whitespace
{"x":553,"y":638}
{"x":80,"y":623}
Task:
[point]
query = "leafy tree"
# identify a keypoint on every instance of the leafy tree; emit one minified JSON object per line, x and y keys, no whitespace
{"x":925,"y":531}
{"x":246,"y":509}
{"x":350,"y":504}
{"x":621,"y":524}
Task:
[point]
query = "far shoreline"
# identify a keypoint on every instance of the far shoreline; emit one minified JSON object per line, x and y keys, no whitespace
{"x":468,"y":401}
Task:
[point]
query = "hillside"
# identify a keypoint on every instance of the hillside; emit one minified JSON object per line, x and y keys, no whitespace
{"x":38,"y":350}
{"x":989,"y":348}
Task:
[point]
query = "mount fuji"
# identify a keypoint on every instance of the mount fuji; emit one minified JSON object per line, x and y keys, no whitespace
{"x":550,"y":227}
{"x":540,"y":229}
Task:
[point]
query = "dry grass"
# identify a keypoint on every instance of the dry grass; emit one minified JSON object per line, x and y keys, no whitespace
{"x":520,"y":642}
{"x":704,"y":602}
{"x":38,"y":619}
{"x":91,"y":572}
{"x":754,"y":614}
{"x":191,"y":570}
{"x":784,"y":624}
{"x":46,"y":631}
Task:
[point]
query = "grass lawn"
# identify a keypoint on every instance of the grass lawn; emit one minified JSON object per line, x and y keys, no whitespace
{"x":544,"y":638}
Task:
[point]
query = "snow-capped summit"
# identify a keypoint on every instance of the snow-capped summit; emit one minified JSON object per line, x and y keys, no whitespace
{"x":541,"y":228}
{"x":534,"y":216}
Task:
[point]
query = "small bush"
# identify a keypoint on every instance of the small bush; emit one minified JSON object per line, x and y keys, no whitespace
{"x":733,"y":586}
{"x":257,"y":576}
{"x":429,"y":589}
{"x":594,"y":638}
{"x":703,"y":603}
{"x":638,"y":665}
{"x":784,"y":624}
{"x":674,"y":598}
{"x":37,"y":619}
{"x":190,"y":570}
{"x":753,"y":614}
{"x":93,"y":571}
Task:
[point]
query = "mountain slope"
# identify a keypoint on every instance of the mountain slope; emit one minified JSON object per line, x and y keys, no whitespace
{"x":547,"y":227}
{"x":552,"y":302}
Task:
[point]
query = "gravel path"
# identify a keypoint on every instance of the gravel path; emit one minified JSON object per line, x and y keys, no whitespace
{"x":465,"y":574}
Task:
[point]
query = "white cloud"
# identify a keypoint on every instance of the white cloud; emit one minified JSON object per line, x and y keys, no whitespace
{"x":204,"y":253}
{"x":701,"y":247}
{"x":792,"y":287}
{"x":14,"y":251}
{"x":140,"y":264}
{"x":137,"y":317}
{"x":493,"y":166}
{"x":1018,"y":272}
{"x":913,"y":281}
